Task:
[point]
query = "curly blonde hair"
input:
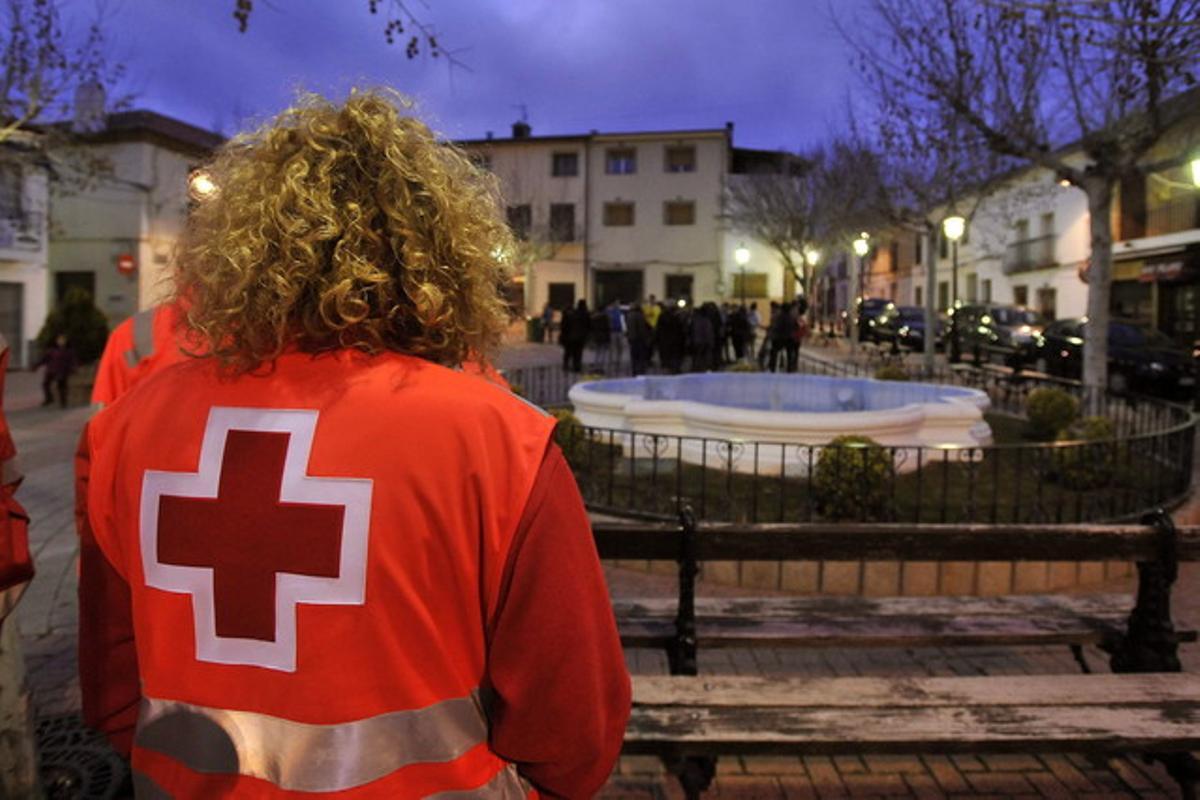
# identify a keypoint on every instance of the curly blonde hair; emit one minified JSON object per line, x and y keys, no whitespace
{"x":344,"y":226}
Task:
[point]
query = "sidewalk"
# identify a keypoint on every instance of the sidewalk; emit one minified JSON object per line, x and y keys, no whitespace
{"x":81,"y":766}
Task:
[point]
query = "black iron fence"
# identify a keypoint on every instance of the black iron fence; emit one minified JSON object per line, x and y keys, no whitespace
{"x":1145,"y":463}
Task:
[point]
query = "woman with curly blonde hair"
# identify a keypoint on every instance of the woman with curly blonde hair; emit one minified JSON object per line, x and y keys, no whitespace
{"x":354,"y":570}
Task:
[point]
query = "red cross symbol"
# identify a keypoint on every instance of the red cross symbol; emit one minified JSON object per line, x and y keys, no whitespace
{"x":250,"y":535}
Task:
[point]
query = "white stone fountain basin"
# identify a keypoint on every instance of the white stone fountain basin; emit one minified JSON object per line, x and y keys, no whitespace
{"x":783,"y":414}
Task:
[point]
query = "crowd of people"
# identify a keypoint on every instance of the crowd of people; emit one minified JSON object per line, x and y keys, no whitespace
{"x":684,"y":338}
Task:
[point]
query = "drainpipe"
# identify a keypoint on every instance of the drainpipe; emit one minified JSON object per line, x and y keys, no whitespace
{"x":587,"y":217}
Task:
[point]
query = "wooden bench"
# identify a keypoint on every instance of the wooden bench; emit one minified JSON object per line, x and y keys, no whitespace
{"x":1145,"y":705}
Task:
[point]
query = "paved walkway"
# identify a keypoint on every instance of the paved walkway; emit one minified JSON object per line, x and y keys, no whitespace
{"x":48,"y":618}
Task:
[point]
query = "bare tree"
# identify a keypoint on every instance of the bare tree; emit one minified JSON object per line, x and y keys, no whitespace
{"x":1082,"y":88}
{"x":811,"y":201}
{"x":780,"y":209}
{"x":401,"y":25}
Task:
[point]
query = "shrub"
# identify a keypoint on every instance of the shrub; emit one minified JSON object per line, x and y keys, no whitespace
{"x":1050,"y":411}
{"x":84,"y":325}
{"x":744,"y":366}
{"x":571,"y":436}
{"x":851,"y":479}
{"x":891,"y":372}
{"x":1092,"y":462}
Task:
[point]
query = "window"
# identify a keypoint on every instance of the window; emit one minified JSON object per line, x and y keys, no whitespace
{"x":564,"y":165}
{"x":894,"y":255}
{"x":943,"y":245}
{"x":562,"y":222}
{"x":1021,"y":295}
{"x":918,"y":297}
{"x":562,"y":296}
{"x":892,"y":292}
{"x":679,"y":287}
{"x":749,"y":284}
{"x":1021,"y":230}
{"x":681,"y":158}
{"x":917,"y":251}
{"x":972,"y":288}
{"x":679,"y":212}
{"x":520,"y":219}
{"x":944,"y":295}
{"x":1048,"y":224}
{"x":1047,"y":303}
{"x":618,"y":214}
{"x":987,"y":290}
{"x":10,"y":190}
{"x":482,"y":160}
{"x":620,"y":161}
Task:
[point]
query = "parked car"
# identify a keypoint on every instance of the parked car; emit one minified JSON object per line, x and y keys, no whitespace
{"x":1138,"y":357}
{"x":905,"y":325}
{"x":869,"y":311}
{"x":1005,"y":334}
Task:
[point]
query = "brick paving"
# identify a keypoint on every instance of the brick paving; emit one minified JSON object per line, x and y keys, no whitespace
{"x":48,"y":618}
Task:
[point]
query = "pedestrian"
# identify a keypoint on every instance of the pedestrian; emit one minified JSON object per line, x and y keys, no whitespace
{"x":616,"y":331}
{"x":573,"y":336}
{"x":765,"y":348}
{"x":354,"y":569}
{"x":59,"y":364}
{"x":703,"y":338}
{"x":782,"y":336}
{"x":670,"y":337}
{"x":600,"y":336}
{"x":753,"y":321}
{"x":739,"y":331}
{"x":547,"y":322}
{"x":639,"y":333}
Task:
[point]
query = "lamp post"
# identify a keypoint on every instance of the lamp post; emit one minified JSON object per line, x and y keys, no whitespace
{"x":812,"y":257}
{"x":953,"y":227}
{"x":861,"y":248}
{"x":742,"y":256}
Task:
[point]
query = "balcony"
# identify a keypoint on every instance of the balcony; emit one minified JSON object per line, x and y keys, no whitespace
{"x":1177,"y":215}
{"x":1029,"y":254}
{"x":20,"y":230}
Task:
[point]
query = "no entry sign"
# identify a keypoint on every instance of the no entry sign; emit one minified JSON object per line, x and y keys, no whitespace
{"x":125,"y":264}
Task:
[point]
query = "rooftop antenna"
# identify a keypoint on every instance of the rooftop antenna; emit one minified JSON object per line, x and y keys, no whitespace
{"x":524,"y":109}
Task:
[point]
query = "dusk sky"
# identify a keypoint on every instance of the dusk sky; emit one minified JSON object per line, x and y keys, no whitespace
{"x":776,"y":68}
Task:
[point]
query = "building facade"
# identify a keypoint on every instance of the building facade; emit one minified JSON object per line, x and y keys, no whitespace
{"x":623,"y":217}
{"x":24,"y":201}
{"x":115,"y":236}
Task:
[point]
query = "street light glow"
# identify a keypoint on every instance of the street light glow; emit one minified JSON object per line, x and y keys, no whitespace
{"x":954,"y":227}
{"x":742,"y":255}
{"x":1196,"y":171}
{"x":201,"y":185}
{"x":812,"y":256}
{"x":860,"y":246}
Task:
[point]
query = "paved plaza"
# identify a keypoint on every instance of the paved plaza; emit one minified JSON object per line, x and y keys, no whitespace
{"x":79,"y":765}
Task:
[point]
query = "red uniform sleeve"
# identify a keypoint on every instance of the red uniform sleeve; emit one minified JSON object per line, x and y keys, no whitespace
{"x":561,"y":690}
{"x":108,"y":672}
{"x":112,"y":373}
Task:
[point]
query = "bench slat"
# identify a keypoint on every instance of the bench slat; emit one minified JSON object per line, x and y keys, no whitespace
{"x":730,"y":715}
{"x":882,"y":622}
{"x":855,"y":542}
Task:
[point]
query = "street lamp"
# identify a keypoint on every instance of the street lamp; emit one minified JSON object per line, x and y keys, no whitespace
{"x":201,"y":185}
{"x":861,"y":248}
{"x":953,"y":228}
{"x":742,"y":256}
{"x":812,"y":257}
{"x":1196,"y":171}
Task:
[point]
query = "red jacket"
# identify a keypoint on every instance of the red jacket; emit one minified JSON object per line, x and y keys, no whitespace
{"x":140,"y":345}
{"x":335,"y":570}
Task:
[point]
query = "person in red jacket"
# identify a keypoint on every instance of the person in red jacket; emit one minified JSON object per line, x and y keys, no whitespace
{"x":348,"y":569}
{"x":142,"y":344}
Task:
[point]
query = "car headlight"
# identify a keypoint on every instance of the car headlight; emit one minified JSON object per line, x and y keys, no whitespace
{"x":903,"y":330}
{"x":1157,"y":366}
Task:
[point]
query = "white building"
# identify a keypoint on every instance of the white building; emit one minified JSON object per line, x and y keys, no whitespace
{"x":1029,"y":245}
{"x":24,"y":198}
{"x":115,"y":236}
{"x":623,"y":216}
